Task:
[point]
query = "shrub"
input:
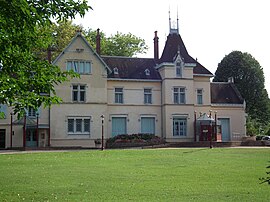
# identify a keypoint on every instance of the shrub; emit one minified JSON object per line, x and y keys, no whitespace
{"x":143,"y":138}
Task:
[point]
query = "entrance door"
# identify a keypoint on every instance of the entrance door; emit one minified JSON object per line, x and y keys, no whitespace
{"x":2,"y":138}
{"x":225,"y":129}
{"x":31,"y":138}
{"x":119,"y":126}
{"x":148,"y":125}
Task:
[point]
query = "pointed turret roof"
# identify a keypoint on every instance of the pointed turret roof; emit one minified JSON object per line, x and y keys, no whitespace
{"x":175,"y":44}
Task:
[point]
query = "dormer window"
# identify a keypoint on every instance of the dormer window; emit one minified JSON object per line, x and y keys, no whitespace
{"x":147,"y":72}
{"x":115,"y":70}
{"x":178,"y":69}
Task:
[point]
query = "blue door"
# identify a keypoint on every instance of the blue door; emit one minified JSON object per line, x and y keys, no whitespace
{"x":225,"y":129}
{"x":31,"y":138}
{"x":148,"y":125}
{"x":119,"y":126}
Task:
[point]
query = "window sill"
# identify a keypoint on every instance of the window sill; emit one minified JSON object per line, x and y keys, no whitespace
{"x":76,"y":134}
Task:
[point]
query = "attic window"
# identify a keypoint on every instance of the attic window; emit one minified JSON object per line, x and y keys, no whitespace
{"x":147,"y":72}
{"x":115,"y":70}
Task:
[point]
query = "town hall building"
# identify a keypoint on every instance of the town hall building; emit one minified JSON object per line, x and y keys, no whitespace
{"x":171,"y":96}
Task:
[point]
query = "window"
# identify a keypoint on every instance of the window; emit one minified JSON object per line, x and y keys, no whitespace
{"x":119,"y":126}
{"x":78,"y":126}
{"x":147,"y":72}
{"x":79,"y":66}
{"x":118,"y":95}
{"x":115,"y":70}
{"x":179,"y":126}
{"x":78,"y":93}
{"x":179,"y":95}
{"x":147,"y":96}
{"x":3,"y":111}
{"x":199,"y":96}
{"x":148,"y":125}
{"x":32,"y":113}
{"x":178,"y":68}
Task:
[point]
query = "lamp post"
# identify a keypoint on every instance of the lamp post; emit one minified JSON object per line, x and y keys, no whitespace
{"x":195,"y":125}
{"x":216,"y":125}
{"x":11,"y":129}
{"x":102,"y":132}
{"x":211,"y":129}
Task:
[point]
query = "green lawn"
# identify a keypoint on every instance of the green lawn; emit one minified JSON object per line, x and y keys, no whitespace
{"x":136,"y":175}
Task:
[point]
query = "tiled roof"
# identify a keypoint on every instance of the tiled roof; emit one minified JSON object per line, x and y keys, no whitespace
{"x":132,"y":68}
{"x":174,"y":44}
{"x":225,"y":93}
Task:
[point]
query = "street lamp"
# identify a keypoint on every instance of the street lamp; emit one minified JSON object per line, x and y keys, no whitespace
{"x":102,"y":132}
{"x":211,"y":130}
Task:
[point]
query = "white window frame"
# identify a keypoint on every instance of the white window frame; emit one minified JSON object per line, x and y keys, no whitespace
{"x":79,"y":66}
{"x":199,"y":93}
{"x":182,"y":132}
{"x":74,"y":120}
{"x":179,"y":92}
{"x":79,"y":90}
{"x":147,"y":96}
{"x":119,"y":95}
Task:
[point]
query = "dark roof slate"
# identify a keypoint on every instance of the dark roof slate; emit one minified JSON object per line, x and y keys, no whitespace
{"x":132,"y":68}
{"x":174,"y":44}
{"x":225,"y":93}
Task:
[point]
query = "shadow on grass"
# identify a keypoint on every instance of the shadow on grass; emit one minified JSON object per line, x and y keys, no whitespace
{"x":195,"y":150}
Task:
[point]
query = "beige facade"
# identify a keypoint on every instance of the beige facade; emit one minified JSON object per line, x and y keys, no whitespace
{"x":167,"y":107}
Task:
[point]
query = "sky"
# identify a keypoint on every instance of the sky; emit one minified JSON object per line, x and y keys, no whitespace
{"x":210,"y":29}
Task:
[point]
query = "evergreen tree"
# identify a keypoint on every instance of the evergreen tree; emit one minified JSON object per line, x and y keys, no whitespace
{"x":249,"y":79}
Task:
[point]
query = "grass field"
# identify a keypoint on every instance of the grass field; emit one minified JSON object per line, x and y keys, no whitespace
{"x":136,"y":175}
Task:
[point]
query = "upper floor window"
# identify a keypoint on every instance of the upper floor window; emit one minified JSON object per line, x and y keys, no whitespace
{"x":3,"y":111}
{"x":79,"y":66}
{"x":178,"y":68}
{"x":32,"y":113}
{"x":78,"y":93}
{"x":199,"y":96}
{"x":118,"y":95}
{"x":179,"y":95}
{"x":147,"y":96}
{"x":78,"y":125}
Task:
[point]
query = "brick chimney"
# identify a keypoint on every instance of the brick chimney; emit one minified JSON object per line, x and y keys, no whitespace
{"x":156,"y":55}
{"x":98,"y":42}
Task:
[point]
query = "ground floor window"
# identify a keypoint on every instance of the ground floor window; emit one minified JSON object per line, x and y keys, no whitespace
{"x":148,"y":125}
{"x":179,"y":126}
{"x":119,"y":126}
{"x":78,"y":125}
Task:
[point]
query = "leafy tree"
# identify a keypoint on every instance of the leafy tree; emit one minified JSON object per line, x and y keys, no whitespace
{"x":62,"y":32}
{"x":24,"y":77}
{"x":249,"y":79}
{"x":117,"y":45}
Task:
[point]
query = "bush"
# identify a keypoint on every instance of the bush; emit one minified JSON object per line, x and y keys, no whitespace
{"x":136,"y":139}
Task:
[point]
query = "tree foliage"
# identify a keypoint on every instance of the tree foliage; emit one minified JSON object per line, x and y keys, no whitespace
{"x":24,"y":77}
{"x":119,"y":44}
{"x":249,"y":79}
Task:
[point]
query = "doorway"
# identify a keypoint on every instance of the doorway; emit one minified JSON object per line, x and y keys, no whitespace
{"x":31,"y":138}
{"x":2,"y":138}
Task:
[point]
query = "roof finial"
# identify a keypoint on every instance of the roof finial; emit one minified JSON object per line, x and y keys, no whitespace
{"x":169,"y":20}
{"x":173,"y":28}
{"x":177,"y":21}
